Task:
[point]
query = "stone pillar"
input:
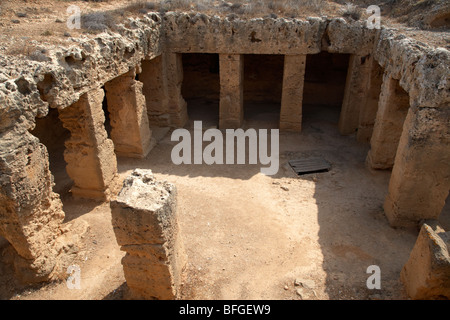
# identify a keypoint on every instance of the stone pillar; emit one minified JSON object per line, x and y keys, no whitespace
{"x":420,"y":179}
{"x":130,"y":132}
{"x":91,"y":162}
{"x":369,"y":109}
{"x":30,"y":212}
{"x":176,"y":105}
{"x":355,"y":92}
{"x":426,"y":275}
{"x":146,"y":227}
{"x":292,"y":96}
{"x":231,"y":114}
{"x":155,"y":90}
{"x":392,"y":109}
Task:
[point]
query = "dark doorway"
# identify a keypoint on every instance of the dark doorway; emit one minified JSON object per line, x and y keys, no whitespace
{"x":201,"y":87}
{"x":324,"y":88}
{"x":263,"y":85}
{"x":108,"y":126}
{"x":51,"y":133}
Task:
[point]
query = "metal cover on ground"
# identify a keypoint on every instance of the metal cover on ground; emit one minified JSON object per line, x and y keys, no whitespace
{"x":309,"y":165}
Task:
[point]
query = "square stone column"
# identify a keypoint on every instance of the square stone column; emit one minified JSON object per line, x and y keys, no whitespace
{"x":31,"y":213}
{"x":420,"y":179}
{"x":292,"y":96}
{"x":130,"y":132}
{"x":146,"y":227}
{"x":176,"y":105}
{"x":368,"y":112}
{"x":155,"y":88}
{"x":392,"y":109}
{"x":355,"y":93}
{"x":231,"y":114}
{"x":91,"y":161}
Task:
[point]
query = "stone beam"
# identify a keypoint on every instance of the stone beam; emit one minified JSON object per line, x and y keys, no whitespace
{"x":292,"y":95}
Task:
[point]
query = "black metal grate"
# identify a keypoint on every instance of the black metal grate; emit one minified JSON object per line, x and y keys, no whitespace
{"x":310,"y":165}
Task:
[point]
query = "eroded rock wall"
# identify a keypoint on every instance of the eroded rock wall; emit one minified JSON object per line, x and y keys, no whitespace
{"x":127,"y":108}
{"x":28,"y":88}
{"x":31,"y":213}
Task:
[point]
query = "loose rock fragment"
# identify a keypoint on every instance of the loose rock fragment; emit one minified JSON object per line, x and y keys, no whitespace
{"x":146,"y":227}
{"x":426,"y":275}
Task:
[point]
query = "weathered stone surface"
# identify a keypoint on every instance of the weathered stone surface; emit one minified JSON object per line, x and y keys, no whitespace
{"x":163,"y":78}
{"x":420,"y":179}
{"x":393,"y":106}
{"x":146,"y":227}
{"x":203,"y":33}
{"x":292,"y":95}
{"x":155,"y":89}
{"x":355,"y":92}
{"x":423,"y":71}
{"x":91,"y":162}
{"x":436,"y":15}
{"x":231,"y":110}
{"x":343,"y":37}
{"x":130,"y":131}
{"x":369,"y":107}
{"x":31,"y":213}
{"x":20,"y":107}
{"x":176,"y":105}
{"x":71,"y":72}
{"x":426,"y":275}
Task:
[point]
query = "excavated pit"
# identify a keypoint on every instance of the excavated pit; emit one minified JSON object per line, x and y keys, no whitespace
{"x":373,"y":104}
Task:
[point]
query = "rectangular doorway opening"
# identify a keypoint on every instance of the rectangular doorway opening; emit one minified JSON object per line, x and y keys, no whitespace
{"x":263,"y":85}
{"x":201,"y":87}
{"x":325,"y":78}
{"x":51,"y":133}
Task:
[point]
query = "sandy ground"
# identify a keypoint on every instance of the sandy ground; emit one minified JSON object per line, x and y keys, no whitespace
{"x":251,"y":236}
